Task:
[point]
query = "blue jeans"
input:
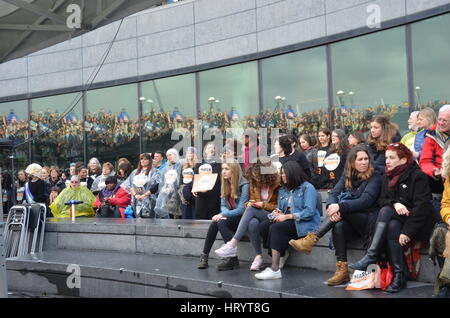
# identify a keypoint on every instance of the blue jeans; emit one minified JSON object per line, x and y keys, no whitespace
{"x":249,"y":223}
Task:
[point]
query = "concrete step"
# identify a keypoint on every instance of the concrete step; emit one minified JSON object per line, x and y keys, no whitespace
{"x":184,"y":238}
{"x":128,"y":275}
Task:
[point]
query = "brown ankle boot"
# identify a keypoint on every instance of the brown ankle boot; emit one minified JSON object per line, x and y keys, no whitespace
{"x":305,"y":244}
{"x":341,"y":275}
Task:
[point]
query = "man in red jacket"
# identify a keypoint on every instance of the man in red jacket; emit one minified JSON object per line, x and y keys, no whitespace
{"x":114,"y":195}
{"x":435,"y":145}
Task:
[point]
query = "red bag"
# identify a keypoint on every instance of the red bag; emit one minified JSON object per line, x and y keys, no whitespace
{"x":386,"y":275}
{"x":412,"y":256}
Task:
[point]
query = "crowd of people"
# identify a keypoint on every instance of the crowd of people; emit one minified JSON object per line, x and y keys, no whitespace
{"x":106,"y":129}
{"x":383,"y":188}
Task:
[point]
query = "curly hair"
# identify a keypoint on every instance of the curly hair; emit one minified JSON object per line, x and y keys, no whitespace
{"x":259,"y":177}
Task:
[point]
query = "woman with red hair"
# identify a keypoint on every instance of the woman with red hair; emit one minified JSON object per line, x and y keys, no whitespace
{"x":405,"y":215}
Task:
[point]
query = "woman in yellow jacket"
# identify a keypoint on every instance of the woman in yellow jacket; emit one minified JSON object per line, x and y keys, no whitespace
{"x":445,"y":203}
{"x":74,"y":192}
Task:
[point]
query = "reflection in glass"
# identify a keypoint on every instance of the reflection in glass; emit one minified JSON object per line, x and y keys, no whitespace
{"x":295,"y":91}
{"x":167,"y":104}
{"x":229,"y":98}
{"x":431,"y":47}
{"x":112,"y":123}
{"x":14,"y":126}
{"x":369,"y":78}
{"x":60,"y":139}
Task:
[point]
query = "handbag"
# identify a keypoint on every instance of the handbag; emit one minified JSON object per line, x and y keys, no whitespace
{"x":106,"y":211}
{"x":365,"y":279}
{"x":386,"y":275}
{"x":412,"y":256}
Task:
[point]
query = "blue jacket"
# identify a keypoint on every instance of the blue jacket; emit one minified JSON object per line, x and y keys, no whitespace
{"x":243,"y":196}
{"x":364,"y":196}
{"x":420,"y":140}
{"x":303,"y":206}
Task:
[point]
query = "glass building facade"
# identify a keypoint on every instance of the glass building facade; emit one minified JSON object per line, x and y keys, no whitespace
{"x":337,"y":85}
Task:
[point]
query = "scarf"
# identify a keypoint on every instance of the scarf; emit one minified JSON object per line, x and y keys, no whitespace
{"x":106,"y":193}
{"x":395,"y":174}
{"x":442,"y":139}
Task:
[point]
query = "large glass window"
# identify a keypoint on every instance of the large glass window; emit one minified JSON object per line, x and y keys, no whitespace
{"x":369,"y":77}
{"x":112,"y":123}
{"x":295,"y":91}
{"x":229,"y":98}
{"x":59,"y":137}
{"x":167,"y":104}
{"x":14,"y":126}
{"x":431,"y":47}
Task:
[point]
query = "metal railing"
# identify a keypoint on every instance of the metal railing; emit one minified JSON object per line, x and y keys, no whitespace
{"x":3,"y":281}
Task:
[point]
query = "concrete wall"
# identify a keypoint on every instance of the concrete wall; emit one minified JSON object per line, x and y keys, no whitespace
{"x":191,"y":33}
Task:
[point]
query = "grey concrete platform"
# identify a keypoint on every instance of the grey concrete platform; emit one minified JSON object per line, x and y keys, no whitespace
{"x":183,"y":238}
{"x":113,"y":274}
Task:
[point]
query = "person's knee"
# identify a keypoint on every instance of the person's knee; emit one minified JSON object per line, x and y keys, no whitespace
{"x":339,"y":228}
{"x":385,"y":214}
{"x":253,"y":226}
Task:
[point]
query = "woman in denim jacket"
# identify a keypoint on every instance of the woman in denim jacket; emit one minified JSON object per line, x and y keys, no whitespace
{"x":296,"y":215}
{"x":234,"y":195}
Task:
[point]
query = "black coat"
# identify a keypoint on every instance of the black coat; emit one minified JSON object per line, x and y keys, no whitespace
{"x":207,"y":204}
{"x":413,"y":191}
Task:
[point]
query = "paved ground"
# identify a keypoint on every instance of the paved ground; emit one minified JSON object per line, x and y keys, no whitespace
{"x":295,"y":281}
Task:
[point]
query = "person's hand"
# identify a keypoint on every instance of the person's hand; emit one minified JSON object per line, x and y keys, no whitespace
{"x":336,"y":217}
{"x":282,"y":218}
{"x":415,"y":154}
{"x":217,"y":217}
{"x":257,"y":205}
{"x":401,"y":209}
{"x":332,"y":209}
{"x":195,"y":194}
{"x":437,"y":172}
{"x":403,"y":239}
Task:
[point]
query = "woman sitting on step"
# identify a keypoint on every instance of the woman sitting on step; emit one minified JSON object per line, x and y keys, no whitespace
{"x":406,"y":213}
{"x":295,"y":216}
{"x":264,"y":185}
{"x":234,"y":195}
{"x":351,"y":208}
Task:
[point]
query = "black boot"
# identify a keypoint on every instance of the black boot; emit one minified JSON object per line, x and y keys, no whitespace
{"x":326,"y":226}
{"x":228,"y":263}
{"x":374,"y":250}
{"x":395,"y":254}
{"x":203,"y":261}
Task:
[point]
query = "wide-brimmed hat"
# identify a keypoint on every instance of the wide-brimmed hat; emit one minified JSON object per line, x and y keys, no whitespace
{"x":34,"y":169}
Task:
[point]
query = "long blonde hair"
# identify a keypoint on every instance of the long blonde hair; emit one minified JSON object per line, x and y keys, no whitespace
{"x":230,"y":186}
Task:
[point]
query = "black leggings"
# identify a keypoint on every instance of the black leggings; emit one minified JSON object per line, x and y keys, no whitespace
{"x":227,"y":228}
{"x":350,"y":228}
{"x":393,"y":220}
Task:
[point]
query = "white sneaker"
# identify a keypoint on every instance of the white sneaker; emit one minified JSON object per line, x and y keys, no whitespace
{"x":257,"y":262}
{"x":268,"y":273}
{"x":226,"y":250}
{"x":284,"y":259}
